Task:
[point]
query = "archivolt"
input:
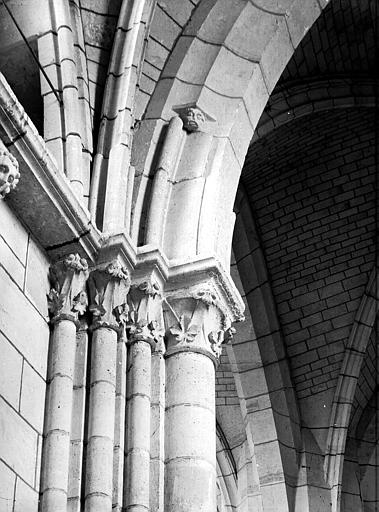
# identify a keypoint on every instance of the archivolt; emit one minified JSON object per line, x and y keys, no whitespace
{"x":226,"y":61}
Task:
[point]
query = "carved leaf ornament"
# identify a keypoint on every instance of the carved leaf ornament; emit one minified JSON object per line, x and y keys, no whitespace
{"x":108,"y":290}
{"x":185,"y":332}
{"x":67,"y":294}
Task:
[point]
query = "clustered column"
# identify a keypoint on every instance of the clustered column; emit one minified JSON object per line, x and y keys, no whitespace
{"x":108,"y":287}
{"x":196,"y":330}
{"x":67,"y":300}
{"x":168,"y":383}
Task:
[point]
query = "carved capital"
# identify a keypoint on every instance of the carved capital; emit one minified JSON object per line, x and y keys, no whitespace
{"x":196,"y":321}
{"x":67,"y":298}
{"x":144,"y":313}
{"x":9,"y":174}
{"x":219,"y":338}
{"x":108,"y":288}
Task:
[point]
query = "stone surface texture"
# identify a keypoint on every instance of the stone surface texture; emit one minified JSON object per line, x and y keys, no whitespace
{"x":189,"y":256}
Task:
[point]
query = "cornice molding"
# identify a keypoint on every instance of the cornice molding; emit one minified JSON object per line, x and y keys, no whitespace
{"x":43,"y":190}
{"x":175,"y":275}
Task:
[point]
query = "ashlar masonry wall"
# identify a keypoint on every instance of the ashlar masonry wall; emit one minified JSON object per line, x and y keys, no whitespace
{"x":24,"y":338}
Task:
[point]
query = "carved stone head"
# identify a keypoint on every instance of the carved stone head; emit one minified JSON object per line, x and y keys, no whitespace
{"x":9,"y":175}
{"x":193,"y":119}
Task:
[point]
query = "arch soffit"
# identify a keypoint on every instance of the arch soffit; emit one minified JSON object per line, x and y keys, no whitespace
{"x":346,"y":386}
{"x":265,"y":380}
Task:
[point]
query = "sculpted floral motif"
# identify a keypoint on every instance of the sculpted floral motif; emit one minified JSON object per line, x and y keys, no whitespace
{"x":115,"y":269}
{"x":121,"y":314}
{"x":219,"y":338}
{"x":156,"y":331}
{"x":185,"y":332}
{"x":206,"y":295}
{"x":80,"y":303}
{"x":108,"y":287}
{"x":67,"y":295}
{"x":54,"y":301}
{"x":143,"y":306}
{"x":75,"y":262}
{"x":9,"y":174}
{"x":216,"y":339}
{"x":228,"y":334}
{"x":151,"y":288}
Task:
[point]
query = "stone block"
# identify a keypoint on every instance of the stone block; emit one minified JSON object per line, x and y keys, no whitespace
{"x":11,"y":264}
{"x":254,"y":382}
{"x":257,"y":26}
{"x":190,"y":440}
{"x":301,"y":18}
{"x":276,"y":55}
{"x":46,"y":49}
{"x":10,"y":372}
{"x":241,"y":133}
{"x":164,"y":29}
{"x":32,"y":403}
{"x":263,"y":426}
{"x":275,"y":6}
{"x":213,"y":21}
{"x":230,"y":74}
{"x":179,"y":11}
{"x":37,"y":283}
{"x":26,"y":498}
{"x":192,"y":60}
{"x":13,"y":232}
{"x":23,"y":325}
{"x":246,"y":355}
{"x":18,"y":443}
{"x":269,"y":463}
{"x":264,"y":317}
{"x":156,"y":54}
{"x":7,"y":479}
{"x":194,"y":372}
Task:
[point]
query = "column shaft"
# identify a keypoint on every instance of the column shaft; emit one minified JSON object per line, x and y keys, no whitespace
{"x":190,"y":437}
{"x":138,"y":427}
{"x":78,"y":420}
{"x":99,"y":471}
{"x":59,"y":411}
{"x":157,"y":432}
{"x":119,"y":426}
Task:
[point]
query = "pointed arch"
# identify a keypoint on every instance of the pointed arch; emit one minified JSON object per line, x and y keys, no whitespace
{"x":226,"y":62}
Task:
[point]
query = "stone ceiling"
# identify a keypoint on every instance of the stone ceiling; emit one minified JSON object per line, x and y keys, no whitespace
{"x":342,"y":42}
{"x":304,"y":180}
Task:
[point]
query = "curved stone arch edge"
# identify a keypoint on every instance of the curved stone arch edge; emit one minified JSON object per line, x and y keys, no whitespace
{"x":329,"y":94}
{"x":292,"y":463}
{"x":346,"y":386}
{"x":242,"y":118}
